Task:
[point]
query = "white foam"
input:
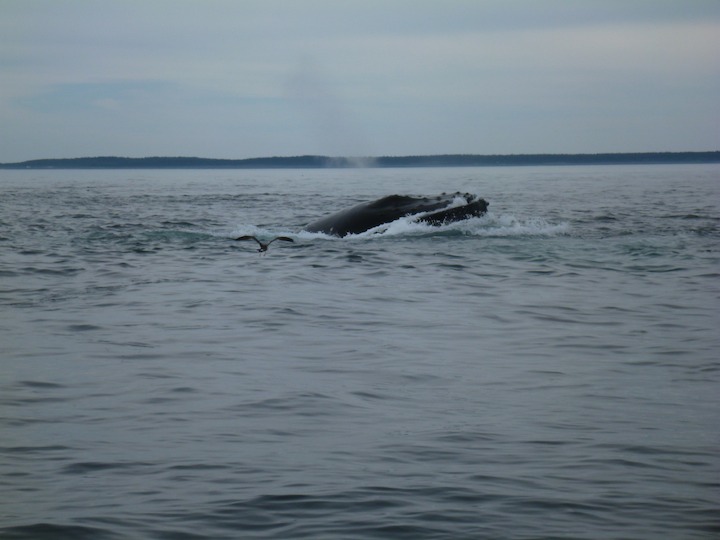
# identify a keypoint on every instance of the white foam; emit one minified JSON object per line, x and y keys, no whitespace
{"x":486,"y":225}
{"x":510,"y":225}
{"x":489,"y":225}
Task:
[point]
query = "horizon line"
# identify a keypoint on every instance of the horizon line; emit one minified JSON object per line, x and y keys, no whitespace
{"x":322,"y":161}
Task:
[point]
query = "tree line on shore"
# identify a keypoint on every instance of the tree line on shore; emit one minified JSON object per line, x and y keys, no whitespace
{"x":317,"y":162}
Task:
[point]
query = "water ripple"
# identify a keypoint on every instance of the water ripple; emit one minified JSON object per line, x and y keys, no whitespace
{"x":546,"y":371}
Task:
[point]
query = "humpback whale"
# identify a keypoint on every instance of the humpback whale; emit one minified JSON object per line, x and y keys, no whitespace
{"x":444,"y":208}
{"x":264,"y":245}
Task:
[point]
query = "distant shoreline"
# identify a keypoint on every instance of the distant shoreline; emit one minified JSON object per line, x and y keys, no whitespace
{"x":326,"y":162}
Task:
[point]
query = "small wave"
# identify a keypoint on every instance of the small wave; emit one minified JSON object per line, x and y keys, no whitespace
{"x":62,"y":271}
{"x":39,"y":384}
{"x":55,"y":531}
{"x":86,"y":467}
{"x":82,"y":327}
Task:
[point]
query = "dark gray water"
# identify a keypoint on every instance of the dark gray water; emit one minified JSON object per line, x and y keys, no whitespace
{"x":549,"y":370}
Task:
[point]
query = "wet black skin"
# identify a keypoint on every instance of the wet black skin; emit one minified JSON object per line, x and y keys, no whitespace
{"x":365,"y":216}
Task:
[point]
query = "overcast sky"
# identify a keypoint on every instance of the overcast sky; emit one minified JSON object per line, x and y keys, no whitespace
{"x":247,"y":78}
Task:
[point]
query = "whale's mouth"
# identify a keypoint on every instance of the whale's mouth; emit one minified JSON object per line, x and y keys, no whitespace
{"x":418,"y":204}
{"x":461,"y":207}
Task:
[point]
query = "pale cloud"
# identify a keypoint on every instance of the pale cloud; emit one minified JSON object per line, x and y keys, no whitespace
{"x":278,"y":77}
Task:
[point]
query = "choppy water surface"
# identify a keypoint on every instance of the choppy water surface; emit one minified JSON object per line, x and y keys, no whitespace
{"x":549,"y":370}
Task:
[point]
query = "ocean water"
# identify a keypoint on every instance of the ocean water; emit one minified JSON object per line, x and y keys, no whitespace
{"x":549,"y":370}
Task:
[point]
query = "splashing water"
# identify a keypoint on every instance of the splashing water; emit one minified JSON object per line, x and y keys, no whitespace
{"x":489,"y":225}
